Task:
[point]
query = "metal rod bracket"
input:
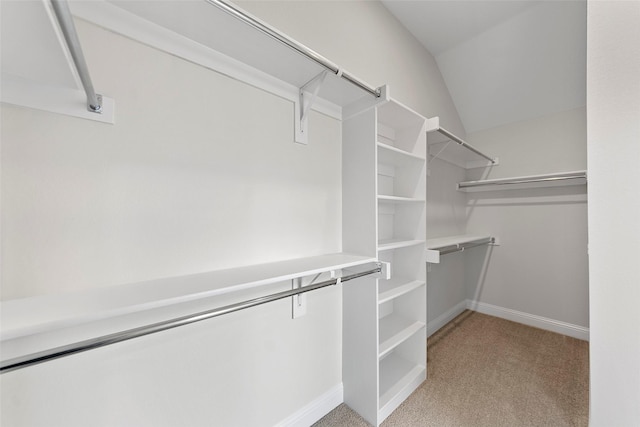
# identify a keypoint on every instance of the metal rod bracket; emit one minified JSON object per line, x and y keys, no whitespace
{"x":306,"y":97}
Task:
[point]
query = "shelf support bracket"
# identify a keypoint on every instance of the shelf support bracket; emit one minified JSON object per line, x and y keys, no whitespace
{"x":306,"y":97}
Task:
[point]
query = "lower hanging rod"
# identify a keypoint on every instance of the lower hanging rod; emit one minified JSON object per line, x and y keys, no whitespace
{"x":94,"y":343}
{"x":462,"y":246}
{"x":525,"y":180}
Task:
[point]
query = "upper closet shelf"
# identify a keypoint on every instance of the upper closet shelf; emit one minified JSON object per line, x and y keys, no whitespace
{"x":460,"y":153}
{"x":522,"y":182}
{"x":446,"y":245}
{"x":218,"y":35}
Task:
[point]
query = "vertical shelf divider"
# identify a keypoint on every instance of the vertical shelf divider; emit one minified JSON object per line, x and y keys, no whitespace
{"x":384,"y":319}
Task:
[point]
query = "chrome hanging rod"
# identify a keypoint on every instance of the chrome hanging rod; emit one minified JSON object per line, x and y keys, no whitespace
{"x":63,"y":15}
{"x":287,"y":41}
{"x":93,"y":343}
{"x":465,"y":144}
{"x":467,"y":245}
{"x":524,"y":180}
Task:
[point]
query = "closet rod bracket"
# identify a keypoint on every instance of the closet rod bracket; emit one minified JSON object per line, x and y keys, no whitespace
{"x":306,"y":97}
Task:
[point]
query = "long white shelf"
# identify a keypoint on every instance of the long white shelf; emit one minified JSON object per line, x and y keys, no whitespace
{"x":48,"y":313}
{"x":443,"y":245}
{"x":228,"y":32}
{"x":523,"y":182}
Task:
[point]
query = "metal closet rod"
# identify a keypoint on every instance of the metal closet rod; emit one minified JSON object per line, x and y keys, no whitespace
{"x":289,"y":42}
{"x":93,"y":343}
{"x":465,"y":144}
{"x":65,"y":19}
{"x":468,"y":245}
{"x":524,"y":180}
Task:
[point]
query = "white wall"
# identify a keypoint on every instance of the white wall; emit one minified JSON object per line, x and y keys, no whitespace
{"x":541,"y":266}
{"x":446,"y":216}
{"x":613,"y":109}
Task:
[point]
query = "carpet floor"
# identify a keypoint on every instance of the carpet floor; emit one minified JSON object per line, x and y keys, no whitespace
{"x":486,"y":371}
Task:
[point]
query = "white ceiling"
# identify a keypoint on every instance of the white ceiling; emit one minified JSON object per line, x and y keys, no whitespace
{"x":503,"y":61}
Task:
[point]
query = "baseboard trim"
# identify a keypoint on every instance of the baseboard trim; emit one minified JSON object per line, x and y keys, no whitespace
{"x":316,"y":409}
{"x":545,"y":323}
{"x":446,"y":317}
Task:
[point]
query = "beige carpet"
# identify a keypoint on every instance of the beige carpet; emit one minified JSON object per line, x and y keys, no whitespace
{"x":485,"y":371}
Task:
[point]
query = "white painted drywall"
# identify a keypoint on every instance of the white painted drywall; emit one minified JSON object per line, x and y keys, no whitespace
{"x":541,"y":266}
{"x":613,"y":112}
{"x":446,"y":216}
{"x":490,"y":74}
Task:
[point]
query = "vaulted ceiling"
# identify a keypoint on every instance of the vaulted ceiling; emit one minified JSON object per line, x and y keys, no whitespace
{"x":503,"y":61}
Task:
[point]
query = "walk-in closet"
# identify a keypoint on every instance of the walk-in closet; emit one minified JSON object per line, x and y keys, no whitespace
{"x":329,"y":213}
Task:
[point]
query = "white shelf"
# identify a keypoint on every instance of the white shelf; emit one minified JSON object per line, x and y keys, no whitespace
{"x":395,"y":156}
{"x":47,"y":313}
{"x":397,"y":378}
{"x":225,"y":35}
{"x":387,"y":245}
{"x":560,"y":179}
{"x":436,"y":246}
{"x":398,"y":199}
{"x":394,"y":330}
{"x":396,"y":287}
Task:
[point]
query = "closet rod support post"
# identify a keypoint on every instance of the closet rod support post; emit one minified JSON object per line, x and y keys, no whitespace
{"x":65,"y":19}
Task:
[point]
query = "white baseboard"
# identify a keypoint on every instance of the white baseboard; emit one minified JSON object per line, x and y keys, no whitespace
{"x":443,"y":319}
{"x":557,"y":326}
{"x":316,"y":409}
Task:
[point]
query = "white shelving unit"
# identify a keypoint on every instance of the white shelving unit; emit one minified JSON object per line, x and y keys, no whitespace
{"x":384,"y":348}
